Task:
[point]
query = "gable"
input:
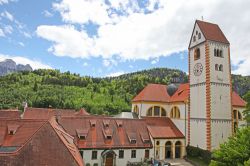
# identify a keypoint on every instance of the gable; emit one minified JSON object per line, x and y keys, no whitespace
{"x":197,"y":36}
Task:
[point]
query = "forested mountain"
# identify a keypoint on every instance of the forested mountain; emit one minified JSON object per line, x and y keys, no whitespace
{"x":110,"y":95}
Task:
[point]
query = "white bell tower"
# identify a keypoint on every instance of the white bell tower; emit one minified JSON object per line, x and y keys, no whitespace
{"x":210,"y":108}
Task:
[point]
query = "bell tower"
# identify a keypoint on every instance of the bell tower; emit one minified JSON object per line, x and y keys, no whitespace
{"x":210,"y":108}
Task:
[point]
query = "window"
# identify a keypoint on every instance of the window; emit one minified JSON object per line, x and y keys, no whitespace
{"x":156,"y":111}
{"x":133,"y":153}
{"x":216,"y":67}
{"x":175,"y":113}
{"x":157,"y":143}
{"x":221,"y":55}
{"x":194,"y":39}
{"x":121,"y":154}
{"x":239,"y":115}
{"x":149,"y":112}
{"x":199,"y":36}
{"x":221,"y":68}
{"x":197,"y":54}
{"x":136,"y":109}
{"x":163,"y":112}
{"x":81,"y":153}
{"x":215,"y":52}
{"x":94,"y":155}
{"x":147,"y":154}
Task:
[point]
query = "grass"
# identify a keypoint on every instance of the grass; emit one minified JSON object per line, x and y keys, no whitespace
{"x":198,"y":161}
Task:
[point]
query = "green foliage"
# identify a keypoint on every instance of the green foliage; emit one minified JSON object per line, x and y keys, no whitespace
{"x":110,"y":95}
{"x":235,"y":152}
{"x":199,"y":153}
{"x":247,"y":110}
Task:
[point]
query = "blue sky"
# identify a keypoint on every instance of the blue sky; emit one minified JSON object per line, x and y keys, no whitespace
{"x":102,"y":37}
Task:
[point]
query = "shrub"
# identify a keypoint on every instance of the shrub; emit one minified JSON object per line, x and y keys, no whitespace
{"x":200,"y":153}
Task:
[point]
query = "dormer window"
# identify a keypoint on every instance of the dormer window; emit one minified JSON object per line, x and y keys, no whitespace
{"x":119,"y":123}
{"x":145,"y":138}
{"x":106,"y":123}
{"x":82,"y":133}
{"x":132,"y":137}
{"x":107,"y":133}
{"x":12,"y":129}
{"x":92,"y":122}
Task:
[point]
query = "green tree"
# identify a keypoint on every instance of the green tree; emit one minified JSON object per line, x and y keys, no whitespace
{"x":247,"y":110}
{"x":235,"y":152}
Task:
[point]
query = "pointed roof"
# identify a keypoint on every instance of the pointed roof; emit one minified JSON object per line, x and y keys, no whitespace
{"x":153,"y":92}
{"x":212,"y":31}
{"x":158,"y":93}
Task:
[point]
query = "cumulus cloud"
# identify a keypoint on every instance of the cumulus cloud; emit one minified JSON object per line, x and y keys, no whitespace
{"x":46,"y":13}
{"x":7,"y":15}
{"x":22,"y":60}
{"x":1,"y":33}
{"x":3,"y":2}
{"x":115,"y":74}
{"x":132,"y":32}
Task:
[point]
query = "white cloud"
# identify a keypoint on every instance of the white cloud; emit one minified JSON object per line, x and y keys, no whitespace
{"x":85,"y":64}
{"x":243,"y":67}
{"x":155,"y":61}
{"x":115,"y":74}
{"x":22,"y":60}
{"x":137,"y":35}
{"x":46,"y":13}
{"x":8,"y":29}
{"x":21,"y":44}
{"x":7,"y":15}
{"x":109,"y":62}
{"x":3,"y":2}
{"x":1,"y":33}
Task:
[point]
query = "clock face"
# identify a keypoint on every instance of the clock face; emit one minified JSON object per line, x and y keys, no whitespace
{"x":198,"y":69}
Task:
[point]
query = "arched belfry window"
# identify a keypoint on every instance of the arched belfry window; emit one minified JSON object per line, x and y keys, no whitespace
{"x":156,"y":111}
{"x":197,"y":54}
{"x":175,"y":113}
{"x":215,"y":52}
{"x":221,"y":55}
{"x":216,"y":67}
{"x":221,"y":68}
{"x":218,"y":53}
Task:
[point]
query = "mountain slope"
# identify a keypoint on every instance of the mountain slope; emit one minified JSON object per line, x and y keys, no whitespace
{"x":45,"y":88}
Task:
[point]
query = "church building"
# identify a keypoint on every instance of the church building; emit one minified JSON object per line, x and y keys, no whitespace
{"x":205,"y":110}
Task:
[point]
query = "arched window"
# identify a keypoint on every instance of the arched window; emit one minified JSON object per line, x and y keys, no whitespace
{"x":175,"y":113}
{"x":163,"y":112}
{"x":149,"y":112}
{"x":239,"y":115}
{"x":215,"y":52}
{"x":221,"y":68}
{"x":216,"y":67}
{"x":199,"y":36}
{"x":221,"y":54}
{"x":194,"y":39}
{"x":136,"y":109}
{"x":218,"y":53}
{"x":197,"y":54}
{"x":235,"y":114}
{"x":156,"y":111}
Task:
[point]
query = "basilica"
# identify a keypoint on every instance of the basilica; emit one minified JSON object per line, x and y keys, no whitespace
{"x":163,"y":121}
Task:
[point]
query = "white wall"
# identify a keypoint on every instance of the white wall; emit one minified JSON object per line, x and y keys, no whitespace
{"x":140,"y":154}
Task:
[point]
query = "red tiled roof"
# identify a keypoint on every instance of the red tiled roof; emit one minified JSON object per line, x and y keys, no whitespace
{"x":212,"y":31}
{"x":96,"y":135}
{"x":237,"y":100}
{"x":162,"y":128}
{"x":153,"y":92}
{"x":46,"y":113}
{"x":181,"y":95}
{"x":33,"y":142}
{"x":10,"y":114}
